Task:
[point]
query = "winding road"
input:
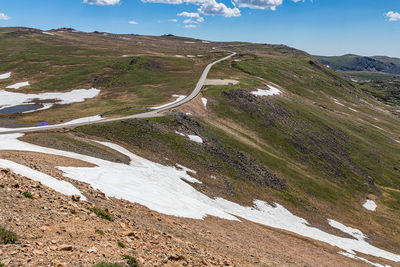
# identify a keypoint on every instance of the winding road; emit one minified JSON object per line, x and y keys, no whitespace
{"x":147,"y":114}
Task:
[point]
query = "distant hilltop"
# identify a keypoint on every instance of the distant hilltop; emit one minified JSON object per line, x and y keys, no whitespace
{"x":352,"y":62}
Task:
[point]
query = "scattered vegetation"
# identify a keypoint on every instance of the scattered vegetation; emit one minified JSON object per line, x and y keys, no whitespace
{"x":120,"y":244}
{"x":27,"y":195}
{"x":100,"y":232}
{"x":131,"y":261}
{"x":107,"y":264}
{"x":7,"y":237}
{"x":101,"y":213}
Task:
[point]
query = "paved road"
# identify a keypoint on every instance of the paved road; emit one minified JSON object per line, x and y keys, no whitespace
{"x":148,"y":114}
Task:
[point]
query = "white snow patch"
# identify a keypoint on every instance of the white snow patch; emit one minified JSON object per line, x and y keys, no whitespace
{"x":213,"y":177}
{"x":187,"y":42}
{"x":48,"y":33}
{"x":237,"y":60}
{"x":186,"y":169}
{"x":195,"y":138}
{"x":205,"y":42}
{"x":204,"y":100}
{"x":188,"y":113}
{"x":352,"y":256}
{"x":62,"y":187}
{"x":200,"y":55}
{"x":337,"y":102}
{"x":178,"y":98}
{"x":8,"y":99}
{"x":191,"y":56}
{"x":370,"y":205}
{"x":180,"y":56}
{"x":126,"y":55}
{"x":5,"y":75}
{"x":163,"y":189}
{"x":272,"y":91}
{"x":181,"y":134}
{"x":18,"y":85}
{"x":352,"y":109}
{"x":396,"y":141}
{"x":346,"y":229}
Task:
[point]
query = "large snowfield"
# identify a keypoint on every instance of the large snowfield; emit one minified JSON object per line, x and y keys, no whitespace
{"x":164,"y":189}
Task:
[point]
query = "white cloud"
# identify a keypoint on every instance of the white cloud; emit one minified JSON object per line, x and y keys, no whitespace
{"x":393,"y":16}
{"x":193,"y":17}
{"x":190,"y":26}
{"x":4,"y":16}
{"x":102,"y":2}
{"x":214,"y":8}
{"x":260,"y":4}
{"x":207,"y":7}
{"x":173,"y":20}
{"x":133,"y":22}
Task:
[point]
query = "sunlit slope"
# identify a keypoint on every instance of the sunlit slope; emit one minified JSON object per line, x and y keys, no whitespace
{"x":322,"y":147}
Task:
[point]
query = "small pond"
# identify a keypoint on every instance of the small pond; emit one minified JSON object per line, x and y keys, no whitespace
{"x":19,"y":109}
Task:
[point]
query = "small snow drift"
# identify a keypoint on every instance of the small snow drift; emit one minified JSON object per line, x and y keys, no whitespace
{"x":370,"y":205}
{"x":178,"y":98}
{"x":18,"y":85}
{"x":195,"y":138}
{"x":337,"y":102}
{"x":204,"y":100}
{"x":9,"y":99}
{"x":5,"y":75}
{"x":272,"y":91}
{"x":48,"y":33}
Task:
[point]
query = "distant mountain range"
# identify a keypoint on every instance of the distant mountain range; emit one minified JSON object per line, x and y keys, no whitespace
{"x":352,"y":62}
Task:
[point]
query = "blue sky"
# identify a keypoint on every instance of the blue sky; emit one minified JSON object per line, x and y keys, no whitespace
{"x":325,"y":27}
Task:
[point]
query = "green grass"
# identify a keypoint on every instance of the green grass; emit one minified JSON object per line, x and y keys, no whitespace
{"x":27,"y":195}
{"x":7,"y":237}
{"x":131,"y":261}
{"x":107,"y":264}
{"x":101,"y":213}
{"x":100,"y":232}
{"x":120,"y":244}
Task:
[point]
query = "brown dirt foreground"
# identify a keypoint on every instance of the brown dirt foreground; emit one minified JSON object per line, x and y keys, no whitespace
{"x":58,"y":230}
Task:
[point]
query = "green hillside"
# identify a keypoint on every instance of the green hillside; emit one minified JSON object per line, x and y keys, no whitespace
{"x":321,"y":147}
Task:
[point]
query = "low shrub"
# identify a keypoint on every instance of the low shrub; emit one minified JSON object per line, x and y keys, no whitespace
{"x":7,"y":237}
{"x":27,"y":194}
{"x":101,"y":213}
{"x":131,"y":261}
{"x":107,"y":264}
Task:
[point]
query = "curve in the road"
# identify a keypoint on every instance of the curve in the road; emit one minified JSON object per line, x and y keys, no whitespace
{"x":147,"y":114}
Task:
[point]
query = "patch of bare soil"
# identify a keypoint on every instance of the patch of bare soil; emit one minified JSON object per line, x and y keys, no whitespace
{"x":194,"y":107}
